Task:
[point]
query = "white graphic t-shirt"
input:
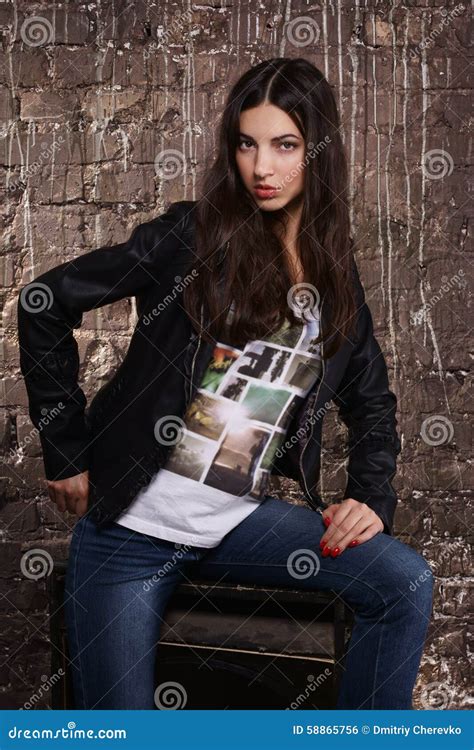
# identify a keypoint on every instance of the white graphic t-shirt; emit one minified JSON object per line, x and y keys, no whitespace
{"x":233,"y":427}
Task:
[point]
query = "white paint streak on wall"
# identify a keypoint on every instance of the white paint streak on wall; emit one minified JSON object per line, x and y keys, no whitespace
{"x":287,"y":18}
{"x":125,"y":147}
{"x":325,"y":39}
{"x":339,"y":65}
{"x":378,"y":177}
{"x":406,"y":93}
{"x":99,"y":128}
{"x":189,"y":116}
{"x":428,"y":323}
{"x":53,"y":164}
{"x":24,"y":168}
{"x":237,"y":33}
{"x":353,"y":53}
{"x":392,"y":126}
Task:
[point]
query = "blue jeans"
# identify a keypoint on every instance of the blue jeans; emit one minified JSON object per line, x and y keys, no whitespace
{"x":119,"y":581}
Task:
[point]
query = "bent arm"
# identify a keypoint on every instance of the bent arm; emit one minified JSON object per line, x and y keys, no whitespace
{"x":52,"y":305}
{"x":367,"y":407}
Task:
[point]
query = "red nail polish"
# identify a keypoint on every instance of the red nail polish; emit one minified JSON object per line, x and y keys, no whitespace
{"x":353,"y":543}
{"x":327,"y":521}
{"x":335,"y":552}
{"x":326,"y":551}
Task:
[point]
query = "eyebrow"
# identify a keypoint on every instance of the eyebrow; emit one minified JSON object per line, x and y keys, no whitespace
{"x":277,"y":138}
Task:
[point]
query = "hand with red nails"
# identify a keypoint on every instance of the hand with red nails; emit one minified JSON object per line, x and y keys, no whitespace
{"x":348,"y":523}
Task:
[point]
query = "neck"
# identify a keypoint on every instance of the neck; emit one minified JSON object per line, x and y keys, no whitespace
{"x":287,"y":230}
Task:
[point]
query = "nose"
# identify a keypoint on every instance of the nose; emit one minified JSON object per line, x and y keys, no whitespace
{"x":263,"y":165}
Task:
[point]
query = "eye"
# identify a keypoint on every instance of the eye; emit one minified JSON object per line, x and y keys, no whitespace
{"x":288,"y":143}
{"x":241,"y":143}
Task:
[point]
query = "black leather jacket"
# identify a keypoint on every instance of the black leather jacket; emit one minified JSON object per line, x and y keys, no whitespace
{"x":115,"y":438}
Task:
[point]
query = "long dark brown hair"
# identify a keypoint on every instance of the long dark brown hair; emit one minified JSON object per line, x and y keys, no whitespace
{"x":238,"y":257}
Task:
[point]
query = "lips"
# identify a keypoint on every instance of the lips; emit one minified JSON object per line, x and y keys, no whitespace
{"x":265,"y":191}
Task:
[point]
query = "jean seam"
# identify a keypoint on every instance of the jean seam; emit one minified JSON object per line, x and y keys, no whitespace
{"x":378,"y":655}
{"x":282,"y":565}
{"x":79,"y":650}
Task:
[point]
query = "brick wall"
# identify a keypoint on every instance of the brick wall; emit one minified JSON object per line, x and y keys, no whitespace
{"x":90,"y":97}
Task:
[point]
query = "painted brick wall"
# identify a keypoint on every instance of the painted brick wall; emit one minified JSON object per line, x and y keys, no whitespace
{"x":108,"y":110}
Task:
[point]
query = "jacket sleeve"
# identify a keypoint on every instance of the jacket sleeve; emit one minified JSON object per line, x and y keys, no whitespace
{"x":367,"y":407}
{"x":52,"y":305}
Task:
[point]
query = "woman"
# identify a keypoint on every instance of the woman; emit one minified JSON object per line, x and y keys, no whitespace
{"x":251,"y":316}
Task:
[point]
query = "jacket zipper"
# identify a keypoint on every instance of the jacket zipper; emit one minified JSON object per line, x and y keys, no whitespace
{"x":312,"y":408}
{"x":194,"y":358}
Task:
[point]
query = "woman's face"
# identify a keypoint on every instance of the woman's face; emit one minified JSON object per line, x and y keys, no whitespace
{"x":271,"y":152}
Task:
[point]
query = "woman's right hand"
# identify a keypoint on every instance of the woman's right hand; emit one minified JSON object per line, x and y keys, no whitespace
{"x":71,"y":493}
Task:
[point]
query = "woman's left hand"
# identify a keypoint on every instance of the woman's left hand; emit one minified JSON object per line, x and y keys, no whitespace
{"x":349,"y":521}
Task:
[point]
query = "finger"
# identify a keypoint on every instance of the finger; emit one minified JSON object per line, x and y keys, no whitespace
{"x":71,"y":502}
{"x":372,"y":530}
{"x":327,"y":517}
{"x":355,"y":533}
{"x":328,"y":514}
{"x":60,"y":500}
{"x":51,"y":492}
{"x":81,"y":506}
{"x":341,"y":523}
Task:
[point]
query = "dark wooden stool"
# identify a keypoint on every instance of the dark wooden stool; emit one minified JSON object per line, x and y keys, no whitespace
{"x":234,"y":646}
